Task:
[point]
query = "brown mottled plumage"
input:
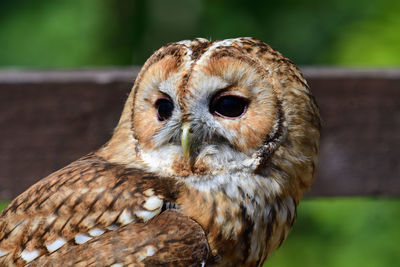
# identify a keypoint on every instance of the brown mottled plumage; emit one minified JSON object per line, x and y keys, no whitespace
{"x":214,"y":149}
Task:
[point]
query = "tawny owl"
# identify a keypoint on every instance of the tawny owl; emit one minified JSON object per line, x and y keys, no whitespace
{"x":215,"y":147}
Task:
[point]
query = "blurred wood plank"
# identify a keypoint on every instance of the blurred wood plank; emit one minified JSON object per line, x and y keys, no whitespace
{"x":51,"y":117}
{"x":360,"y":150}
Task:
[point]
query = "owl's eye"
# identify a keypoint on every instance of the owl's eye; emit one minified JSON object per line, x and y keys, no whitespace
{"x":164,"y":108}
{"x":229,"y":106}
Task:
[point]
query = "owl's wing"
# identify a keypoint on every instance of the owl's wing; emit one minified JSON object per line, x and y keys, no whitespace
{"x":170,"y":239}
{"x":93,"y":209}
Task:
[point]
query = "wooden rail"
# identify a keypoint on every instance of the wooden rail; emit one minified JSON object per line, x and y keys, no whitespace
{"x":50,"y":118}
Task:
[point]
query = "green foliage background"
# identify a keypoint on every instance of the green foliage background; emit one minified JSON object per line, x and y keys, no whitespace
{"x":95,"y":33}
{"x":75,"y":33}
{"x":343,"y":232}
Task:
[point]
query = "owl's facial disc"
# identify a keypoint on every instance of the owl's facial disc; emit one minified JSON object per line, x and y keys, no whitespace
{"x":208,"y":119}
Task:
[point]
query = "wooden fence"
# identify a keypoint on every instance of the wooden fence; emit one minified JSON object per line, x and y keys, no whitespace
{"x":50,"y":118}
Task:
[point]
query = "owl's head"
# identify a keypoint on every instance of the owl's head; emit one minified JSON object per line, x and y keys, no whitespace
{"x":201,"y":108}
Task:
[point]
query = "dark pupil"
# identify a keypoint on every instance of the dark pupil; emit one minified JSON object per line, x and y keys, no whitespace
{"x":229,"y":106}
{"x":164,"y":109}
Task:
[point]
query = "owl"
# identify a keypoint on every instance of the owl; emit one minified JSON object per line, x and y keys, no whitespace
{"x":216,"y":144}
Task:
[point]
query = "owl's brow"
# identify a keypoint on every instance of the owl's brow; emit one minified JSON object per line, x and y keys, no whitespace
{"x":174,"y":50}
{"x":197,"y":50}
{"x":178,"y":51}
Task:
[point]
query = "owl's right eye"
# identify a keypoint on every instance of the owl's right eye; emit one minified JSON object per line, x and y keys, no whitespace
{"x":164,"y":108}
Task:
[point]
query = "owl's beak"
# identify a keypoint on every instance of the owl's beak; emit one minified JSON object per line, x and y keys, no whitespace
{"x":186,"y":139}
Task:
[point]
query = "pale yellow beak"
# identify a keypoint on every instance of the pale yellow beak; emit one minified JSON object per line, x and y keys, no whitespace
{"x":186,"y":139}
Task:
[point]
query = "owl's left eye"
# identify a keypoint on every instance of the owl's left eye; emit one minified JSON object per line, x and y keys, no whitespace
{"x":229,"y":106}
{"x":164,"y":108}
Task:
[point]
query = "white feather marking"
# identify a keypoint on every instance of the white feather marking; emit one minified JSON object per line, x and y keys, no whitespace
{"x":117,"y":265}
{"x":29,"y":256}
{"x":185,"y":42}
{"x":82,"y":238}
{"x":99,"y":190}
{"x":146,"y":215}
{"x":153,"y":203}
{"x":96,"y":232}
{"x":51,"y":218}
{"x":141,"y":257}
{"x":150,"y":251}
{"x":3,"y":253}
{"x":84,"y":190}
{"x":112,"y":227}
{"x":226,"y":42}
{"x":126,"y":217}
{"x":56,"y":244}
{"x":220,"y":219}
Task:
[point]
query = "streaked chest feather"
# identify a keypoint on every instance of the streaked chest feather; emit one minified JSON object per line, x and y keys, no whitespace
{"x":247,"y":219}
